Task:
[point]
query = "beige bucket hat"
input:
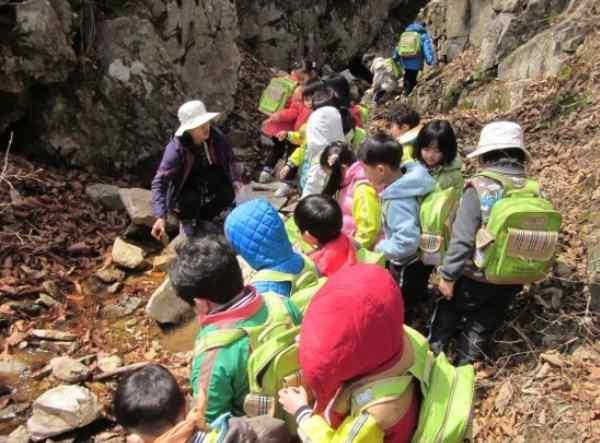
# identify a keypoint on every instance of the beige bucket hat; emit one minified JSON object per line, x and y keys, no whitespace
{"x":500,"y":135}
{"x":191,"y":115}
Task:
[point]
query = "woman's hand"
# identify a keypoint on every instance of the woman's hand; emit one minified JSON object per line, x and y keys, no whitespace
{"x":158,"y":230}
{"x":293,"y":399}
{"x":446,"y":288}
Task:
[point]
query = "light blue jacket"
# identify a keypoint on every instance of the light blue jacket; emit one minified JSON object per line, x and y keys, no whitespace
{"x":427,"y":51}
{"x":400,"y":204}
{"x":256,"y":232}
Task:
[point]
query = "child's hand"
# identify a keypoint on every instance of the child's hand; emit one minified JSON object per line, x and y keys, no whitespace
{"x":282,"y":135}
{"x":293,"y":399}
{"x":446,"y":287}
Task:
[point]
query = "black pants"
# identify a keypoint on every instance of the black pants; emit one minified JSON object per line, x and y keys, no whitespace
{"x":275,"y":150}
{"x":410,"y":80}
{"x":413,"y":280}
{"x":474,"y":313}
{"x":193,"y":208}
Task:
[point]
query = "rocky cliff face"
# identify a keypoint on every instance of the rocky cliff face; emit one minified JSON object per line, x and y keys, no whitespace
{"x":97,"y":83}
{"x":496,"y":49}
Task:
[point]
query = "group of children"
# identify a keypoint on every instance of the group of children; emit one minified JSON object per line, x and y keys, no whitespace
{"x":345,"y":273}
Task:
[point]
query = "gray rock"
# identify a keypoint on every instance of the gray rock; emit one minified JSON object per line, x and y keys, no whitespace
{"x":127,"y":255}
{"x":107,"y":195}
{"x":165,"y":307}
{"x":109,"y":363}
{"x":62,"y":409}
{"x":138,"y":204}
{"x":69,"y":370}
{"x":110,"y":275}
{"x":19,"y":435}
{"x":46,"y":300}
{"x":12,"y":367}
{"x":115,"y":287}
{"x":109,"y":437}
{"x":161,"y":263}
{"x":51,"y":288}
{"x":122,"y":308}
{"x":50,"y":58}
{"x":12,"y":411}
{"x":46,"y":334}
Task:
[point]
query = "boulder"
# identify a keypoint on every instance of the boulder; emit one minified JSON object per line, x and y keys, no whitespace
{"x":19,"y":435}
{"x":127,"y":255}
{"x":109,"y":363}
{"x":12,"y":366}
{"x":35,"y":49}
{"x":110,"y":275}
{"x":69,"y":370}
{"x":62,"y":409}
{"x":544,"y":54}
{"x":165,"y":307}
{"x":138,"y":204}
{"x":107,"y":195}
{"x":162,"y":262}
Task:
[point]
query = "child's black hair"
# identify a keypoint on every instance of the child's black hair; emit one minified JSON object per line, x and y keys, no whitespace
{"x":344,"y":156}
{"x":148,"y":401}
{"x":441,"y":133}
{"x":320,"y":216}
{"x":341,"y":87}
{"x":504,"y":154}
{"x":309,"y":67}
{"x":206,"y":268}
{"x":403,"y":115}
{"x":312,"y":86}
{"x":348,"y":122}
{"x":381,"y":149}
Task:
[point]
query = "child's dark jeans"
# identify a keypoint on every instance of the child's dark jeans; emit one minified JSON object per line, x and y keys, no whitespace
{"x":413,"y":279}
{"x":476,"y":309}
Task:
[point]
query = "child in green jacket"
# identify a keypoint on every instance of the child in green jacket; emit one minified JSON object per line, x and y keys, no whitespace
{"x":207,"y":275}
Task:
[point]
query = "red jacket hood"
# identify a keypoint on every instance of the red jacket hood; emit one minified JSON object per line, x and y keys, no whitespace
{"x":334,"y":255}
{"x":353,"y":327}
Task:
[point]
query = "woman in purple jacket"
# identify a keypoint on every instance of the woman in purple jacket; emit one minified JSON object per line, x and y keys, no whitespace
{"x":197,"y":175}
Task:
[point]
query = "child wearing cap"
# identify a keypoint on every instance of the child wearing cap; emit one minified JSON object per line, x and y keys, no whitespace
{"x":197,"y":176}
{"x":469,"y":300}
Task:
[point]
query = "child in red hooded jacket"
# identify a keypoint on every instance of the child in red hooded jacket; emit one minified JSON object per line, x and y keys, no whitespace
{"x":319,"y":219}
{"x":352,"y":334}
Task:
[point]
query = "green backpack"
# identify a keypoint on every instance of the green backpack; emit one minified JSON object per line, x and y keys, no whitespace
{"x":307,"y":277}
{"x":394,"y":68}
{"x":273,"y":362}
{"x":275,"y":96}
{"x":409,"y":44}
{"x":437,"y":213}
{"x":517,"y":241}
{"x":447,"y":394}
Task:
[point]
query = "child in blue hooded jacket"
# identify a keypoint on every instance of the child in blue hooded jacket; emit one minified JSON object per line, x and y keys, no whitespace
{"x":414,"y":64}
{"x":257,"y":233}
{"x":402,"y":186}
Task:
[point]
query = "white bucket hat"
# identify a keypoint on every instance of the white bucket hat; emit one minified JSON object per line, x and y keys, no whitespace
{"x":191,"y":115}
{"x":500,"y":135}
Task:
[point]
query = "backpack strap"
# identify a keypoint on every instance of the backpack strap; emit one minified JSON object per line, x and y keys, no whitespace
{"x":278,"y":311}
{"x":377,"y":392}
{"x":219,"y":338}
{"x":271,"y":275}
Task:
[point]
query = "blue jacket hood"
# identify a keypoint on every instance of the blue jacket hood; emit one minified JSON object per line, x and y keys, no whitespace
{"x":417,"y":27}
{"x":416,"y":182}
{"x":257,"y":233}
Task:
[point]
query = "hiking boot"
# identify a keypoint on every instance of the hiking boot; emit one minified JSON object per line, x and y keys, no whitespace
{"x":265,"y":176}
